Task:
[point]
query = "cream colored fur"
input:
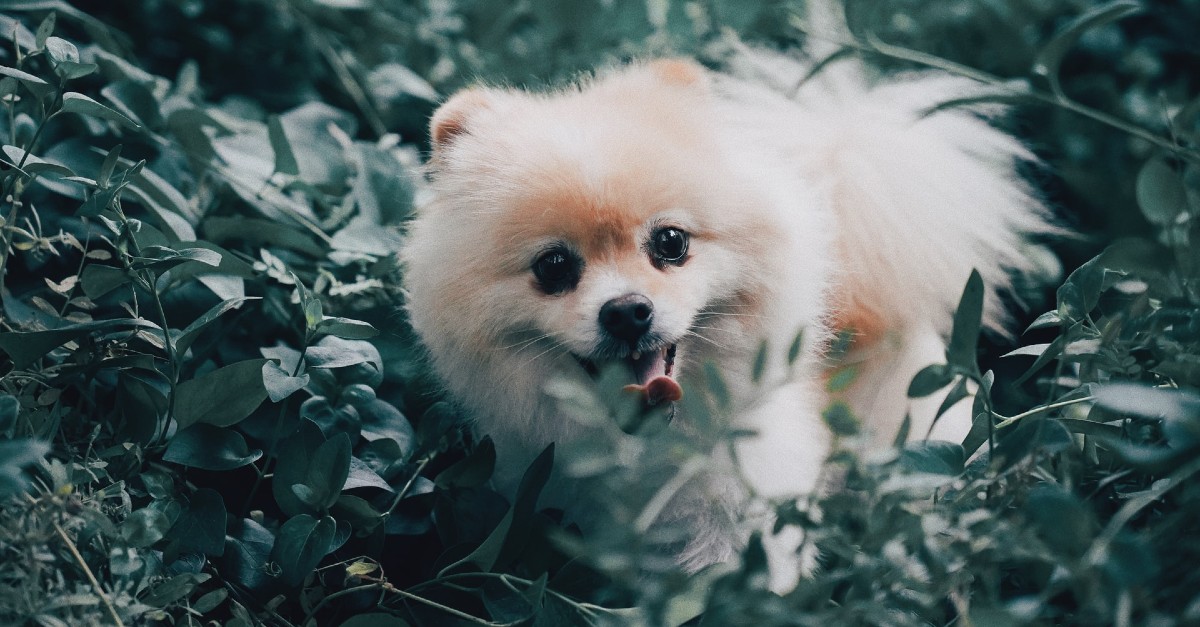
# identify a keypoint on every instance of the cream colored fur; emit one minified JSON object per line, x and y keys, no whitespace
{"x":838,"y":202}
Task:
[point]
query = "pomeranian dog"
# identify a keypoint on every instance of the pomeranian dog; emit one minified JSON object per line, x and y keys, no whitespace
{"x":660,"y":215}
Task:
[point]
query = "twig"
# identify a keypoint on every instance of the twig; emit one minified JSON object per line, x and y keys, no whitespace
{"x":88,"y":571}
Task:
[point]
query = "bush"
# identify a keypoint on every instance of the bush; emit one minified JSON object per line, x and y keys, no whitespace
{"x":211,"y":410}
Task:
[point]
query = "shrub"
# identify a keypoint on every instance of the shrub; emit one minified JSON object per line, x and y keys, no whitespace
{"x":211,"y":410}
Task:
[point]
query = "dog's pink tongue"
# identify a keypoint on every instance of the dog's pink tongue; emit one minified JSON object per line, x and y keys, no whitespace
{"x":660,"y":389}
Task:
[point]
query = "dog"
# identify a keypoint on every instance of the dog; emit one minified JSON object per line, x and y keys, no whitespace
{"x":661,"y":215}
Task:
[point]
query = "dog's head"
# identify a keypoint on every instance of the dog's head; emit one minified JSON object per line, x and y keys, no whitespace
{"x":617,"y":222}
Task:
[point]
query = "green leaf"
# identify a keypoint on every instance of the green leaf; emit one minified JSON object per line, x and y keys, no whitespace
{"x":201,"y":527}
{"x":184,"y":341}
{"x":1049,"y":353}
{"x":1061,"y":519}
{"x":933,"y":457}
{"x":328,"y":469}
{"x":247,"y":554}
{"x":1030,"y":436}
{"x":78,"y":103}
{"x":223,"y":397}
{"x":209,"y":447}
{"x":964,"y":337}
{"x":106,"y":168}
{"x":1031,"y":350}
{"x":279,"y":383}
{"x":346,"y":328}
{"x":10,"y":407}
{"x":794,"y":349}
{"x":285,"y":159}
{"x":840,"y":419}
{"x":334,"y":352}
{"x":471,"y":471}
{"x":210,"y":601}
{"x":173,"y":589}
{"x":310,"y":304}
{"x":1079,"y":294}
{"x":144,"y":527}
{"x":360,"y":475}
{"x":1161,"y":193}
{"x":841,"y":378}
{"x":1172,"y":405}
{"x":134,"y":100}
{"x":512,"y":533}
{"x":1050,"y":57}
{"x":980,"y":416}
{"x":930,"y":379}
{"x":1092,"y":428}
{"x":98,"y":280}
{"x":15,"y":456}
{"x":142,"y":397}
{"x":716,"y":384}
{"x":71,"y":70}
{"x":292,"y":469}
{"x":159,"y":484}
{"x":261,"y":233}
{"x":35,"y":85}
{"x":60,"y":50}
{"x":760,"y":362}
{"x":33,"y":163}
{"x":160,"y":258}
{"x":956,"y":394}
{"x":45,"y":29}
{"x":24,"y":348}
{"x":1045,"y":321}
{"x":302,"y":543}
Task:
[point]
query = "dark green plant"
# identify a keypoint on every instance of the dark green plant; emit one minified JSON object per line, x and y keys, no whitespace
{"x":211,"y":410}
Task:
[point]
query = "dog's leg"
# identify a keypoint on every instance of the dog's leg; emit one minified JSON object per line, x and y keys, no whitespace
{"x":784,"y":460}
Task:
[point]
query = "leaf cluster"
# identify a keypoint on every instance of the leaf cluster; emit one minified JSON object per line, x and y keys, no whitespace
{"x":211,"y":411}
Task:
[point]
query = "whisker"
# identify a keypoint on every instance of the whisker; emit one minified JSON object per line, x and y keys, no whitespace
{"x":708,"y":339}
{"x":524,"y":343}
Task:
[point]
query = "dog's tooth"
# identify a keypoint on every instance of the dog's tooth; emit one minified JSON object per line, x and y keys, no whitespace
{"x":636,"y":355}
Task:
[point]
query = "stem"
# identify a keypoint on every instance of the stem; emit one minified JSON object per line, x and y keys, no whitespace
{"x":873,"y":44}
{"x":11,"y":183}
{"x":1134,"y":505}
{"x":170,"y":345}
{"x":449,"y":610}
{"x":283,"y":409}
{"x":667,"y":492}
{"x":88,"y":572}
{"x":340,"y":593}
{"x":587,"y":608}
{"x":407,"y":486}
{"x":1042,"y":409}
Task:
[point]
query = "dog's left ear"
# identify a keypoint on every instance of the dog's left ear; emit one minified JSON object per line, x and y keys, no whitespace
{"x":680,"y":73}
{"x":453,"y":118}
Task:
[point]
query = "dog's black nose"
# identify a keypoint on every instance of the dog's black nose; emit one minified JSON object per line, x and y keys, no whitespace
{"x":627,"y":317}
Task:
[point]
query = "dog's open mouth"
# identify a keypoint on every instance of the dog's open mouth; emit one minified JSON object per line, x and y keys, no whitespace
{"x":653,"y":373}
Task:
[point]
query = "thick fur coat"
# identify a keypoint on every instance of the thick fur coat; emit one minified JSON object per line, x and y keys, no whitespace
{"x":842,"y":206}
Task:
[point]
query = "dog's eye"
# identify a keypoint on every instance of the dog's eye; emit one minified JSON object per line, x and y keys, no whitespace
{"x":556,"y":270}
{"x":669,"y":245}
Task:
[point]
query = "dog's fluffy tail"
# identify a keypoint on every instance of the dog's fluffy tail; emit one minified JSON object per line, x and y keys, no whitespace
{"x":922,"y":196}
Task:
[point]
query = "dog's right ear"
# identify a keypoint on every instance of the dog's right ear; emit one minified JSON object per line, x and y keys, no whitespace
{"x":452,"y":119}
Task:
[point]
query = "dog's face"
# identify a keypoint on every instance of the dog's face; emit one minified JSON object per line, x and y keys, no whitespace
{"x":609,"y":225}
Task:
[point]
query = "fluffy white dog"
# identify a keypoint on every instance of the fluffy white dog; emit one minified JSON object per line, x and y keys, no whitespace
{"x":660,"y":215}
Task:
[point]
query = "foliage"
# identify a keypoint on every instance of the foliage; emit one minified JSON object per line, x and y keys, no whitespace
{"x":211,"y":410}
